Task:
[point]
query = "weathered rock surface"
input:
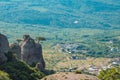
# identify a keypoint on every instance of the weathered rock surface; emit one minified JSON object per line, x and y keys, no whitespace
{"x":31,"y":52}
{"x":16,"y":49}
{"x":4,"y":48}
{"x":39,"y":54}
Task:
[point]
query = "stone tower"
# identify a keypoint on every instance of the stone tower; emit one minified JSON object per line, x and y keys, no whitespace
{"x":31,"y":52}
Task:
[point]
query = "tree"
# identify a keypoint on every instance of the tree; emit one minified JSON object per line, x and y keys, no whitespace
{"x":38,"y":39}
{"x":110,"y":74}
{"x":18,"y":40}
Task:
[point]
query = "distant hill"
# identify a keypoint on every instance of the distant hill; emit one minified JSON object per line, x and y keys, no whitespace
{"x":62,"y":13}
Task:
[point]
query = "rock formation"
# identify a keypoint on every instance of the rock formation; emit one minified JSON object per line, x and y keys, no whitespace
{"x":28,"y":51}
{"x":4,"y":48}
{"x":39,"y":54}
{"x":31,"y":52}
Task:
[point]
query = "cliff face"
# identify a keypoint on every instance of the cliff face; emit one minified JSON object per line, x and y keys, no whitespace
{"x":39,"y":54}
{"x":4,"y":48}
{"x":28,"y":50}
{"x":31,"y":52}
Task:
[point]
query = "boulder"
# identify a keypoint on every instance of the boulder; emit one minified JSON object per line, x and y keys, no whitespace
{"x":4,"y":48}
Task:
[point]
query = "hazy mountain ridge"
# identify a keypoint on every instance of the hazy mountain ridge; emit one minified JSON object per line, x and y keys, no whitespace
{"x":62,"y":13}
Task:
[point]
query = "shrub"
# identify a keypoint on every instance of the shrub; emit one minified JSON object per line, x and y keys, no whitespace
{"x":110,"y":74}
{"x":4,"y":76}
{"x":78,"y":72}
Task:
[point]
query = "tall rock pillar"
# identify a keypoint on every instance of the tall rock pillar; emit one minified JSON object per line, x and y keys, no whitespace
{"x":31,"y":52}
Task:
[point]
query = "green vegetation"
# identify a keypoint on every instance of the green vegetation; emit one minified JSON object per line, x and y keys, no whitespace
{"x":90,"y":14}
{"x":96,"y":44}
{"x":18,"y":41}
{"x":38,"y":39}
{"x":21,"y":71}
{"x":110,"y":74}
{"x":78,"y":72}
{"x":4,"y":76}
{"x":18,"y":70}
